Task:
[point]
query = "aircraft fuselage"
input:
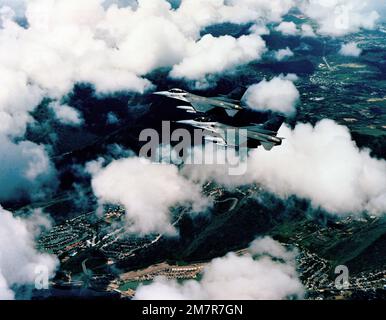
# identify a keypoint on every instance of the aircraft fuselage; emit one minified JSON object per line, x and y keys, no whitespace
{"x":202,"y":104}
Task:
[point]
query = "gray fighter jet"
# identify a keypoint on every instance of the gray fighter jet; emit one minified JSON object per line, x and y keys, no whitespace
{"x":202,"y":104}
{"x":264,"y":134}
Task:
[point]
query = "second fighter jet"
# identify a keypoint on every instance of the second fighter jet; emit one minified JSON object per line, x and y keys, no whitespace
{"x":199,"y":104}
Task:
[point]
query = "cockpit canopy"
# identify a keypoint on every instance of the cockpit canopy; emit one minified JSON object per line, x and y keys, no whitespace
{"x":176,"y":90}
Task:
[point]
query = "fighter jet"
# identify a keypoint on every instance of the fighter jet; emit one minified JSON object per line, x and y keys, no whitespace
{"x":256,"y":134}
{"x":203,"y":104}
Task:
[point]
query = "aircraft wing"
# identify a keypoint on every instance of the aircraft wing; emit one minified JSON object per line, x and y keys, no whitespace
{"x":205,"y":107}
{"x":226,"y":99}
{"x":201,"y":106}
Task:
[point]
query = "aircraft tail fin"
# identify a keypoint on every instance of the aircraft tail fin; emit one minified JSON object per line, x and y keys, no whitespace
{"x":270,"y":127}
{"x":237,"y":94}
{"x":274,"y":124}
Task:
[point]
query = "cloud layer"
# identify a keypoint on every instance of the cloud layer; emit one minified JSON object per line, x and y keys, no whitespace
{"x":350,"y":49}
{"x":26,"y":170}
{"x":341,"y":17}
{"x":19,"y":260}
{"x":236,"y":277}
{"x":283,"y":54}
{"x":66,"y":114}
{"x":321,"y":163}
{"x":147,"y":191}
{"x":207,"y":55}
{"x":115,"y":44}
{"x":278,"y":94}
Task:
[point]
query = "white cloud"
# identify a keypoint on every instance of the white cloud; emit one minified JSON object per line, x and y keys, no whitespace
{"x":307,"y":31}
{"x":290,"y":76}
{"x":194,"y":15}
{"x":147,"y":38}
{"x":287,"y":28}
{"x":236,"y":277}
{"x":66,"y":114}
{"x":114,"y":47}
{"x":278,"y":95}
{"x":341,"y":17}
{"x":211,"y":55}
{"x":283,"y":54}
{"x":17,"y":99}
{"x":18,"y":255}
{"x":5,"y":292}
{"x":324,"y":165}
{"x":113,"y":44}
{"x":38,"y":222}
{"x":26,"y":170}
{"x":350,"y":49}
{"x":58,"y":48}
{"x":147,"y":191}
{"x":321,"y":163}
